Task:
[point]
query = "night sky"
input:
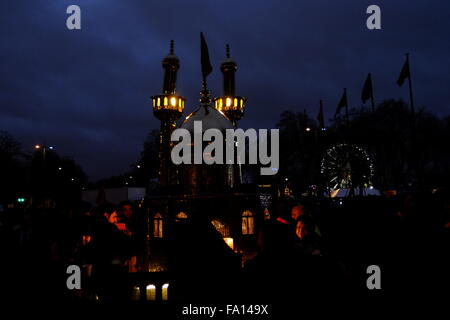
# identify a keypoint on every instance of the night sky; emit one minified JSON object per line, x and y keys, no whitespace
{"x":87,"y":92}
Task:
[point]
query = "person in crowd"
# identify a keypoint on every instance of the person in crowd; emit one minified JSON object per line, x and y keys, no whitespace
{"x":128,"y":224}
{"x":307,"y":238}
{"x":127,"y":217}
{"x":298,"y":210}
{"x":111,"y":249}
{"x":203,"y":265}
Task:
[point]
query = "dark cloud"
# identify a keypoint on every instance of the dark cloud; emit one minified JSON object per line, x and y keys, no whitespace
{"x":87,"y":92}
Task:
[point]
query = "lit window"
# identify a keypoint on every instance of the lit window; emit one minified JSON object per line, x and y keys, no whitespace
{"x":180,"y":216}
{"x":165,"y":292}
{"x":136,"y":295}
{"x":248,"y":222}
{"x":166,"y":101}
{"x":158,"y":226}
{"x":151,"y":292}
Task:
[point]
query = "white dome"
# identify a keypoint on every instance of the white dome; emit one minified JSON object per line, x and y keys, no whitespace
{"x":210,"y":117}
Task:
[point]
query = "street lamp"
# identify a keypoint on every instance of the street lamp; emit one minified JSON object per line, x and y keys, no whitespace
{"x":44,"y":149}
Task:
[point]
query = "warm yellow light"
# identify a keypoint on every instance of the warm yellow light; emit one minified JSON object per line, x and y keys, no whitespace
{"x":179,"y":103}
{"x":228,"y":102}
{"x":158,"y":102}
{"x":220,"y":103}
{"x":235,"y":102}
{"x":334,"y":193}
{"x":166,"y":102}
{"x":173,"y":101}
{"x":165,"y":293}
{"x":151,"y":292}
{"x":37,"y":146}
{"x":229,"y":242}
{"x":242,"y":101}
{"x":136,"y":293}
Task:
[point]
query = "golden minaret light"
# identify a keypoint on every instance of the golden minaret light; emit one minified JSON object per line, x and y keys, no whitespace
{"x":168,"y":108}
{"x":230,"y":104}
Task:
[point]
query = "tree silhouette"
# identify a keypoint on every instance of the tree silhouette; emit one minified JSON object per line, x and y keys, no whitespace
{"x":409,"y":149}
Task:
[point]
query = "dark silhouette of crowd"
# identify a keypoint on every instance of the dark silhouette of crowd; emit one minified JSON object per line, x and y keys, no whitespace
{"x":309,"y":247}
{"x":40,"y":243}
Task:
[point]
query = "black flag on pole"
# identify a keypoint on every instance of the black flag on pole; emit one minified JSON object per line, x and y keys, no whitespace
{"x":404,"y":73}
{"x":206,"y":64}
{"x":342,"y":103}
{"x":320,"y":116}
{"x":366,"y":93}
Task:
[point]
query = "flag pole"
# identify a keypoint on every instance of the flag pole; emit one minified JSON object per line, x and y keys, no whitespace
{"x":322,"y":124}
{"x":411,"y":100}
{"x":371,"y":94}
{"x":346,"y":105}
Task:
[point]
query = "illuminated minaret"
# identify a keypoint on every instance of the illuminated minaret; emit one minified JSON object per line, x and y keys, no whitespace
{"x":230,"y":104}
{"x":168,"y":108}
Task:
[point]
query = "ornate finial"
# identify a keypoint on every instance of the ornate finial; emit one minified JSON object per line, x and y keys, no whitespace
{"x":228,"y":51}
{"x":205,"y":95}
{"x":171,"y":46}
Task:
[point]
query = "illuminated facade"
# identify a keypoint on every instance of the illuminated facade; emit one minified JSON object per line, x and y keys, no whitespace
{"x":187,"y":193}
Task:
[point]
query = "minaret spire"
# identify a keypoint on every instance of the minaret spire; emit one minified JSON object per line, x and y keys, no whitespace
{"x":230,"y":104}
{"x":228,"y":68}
{"x":171,"y":64}
{"x":168,"y":107}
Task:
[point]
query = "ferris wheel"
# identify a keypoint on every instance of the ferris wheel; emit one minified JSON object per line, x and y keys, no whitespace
{"x":347,"y":166}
